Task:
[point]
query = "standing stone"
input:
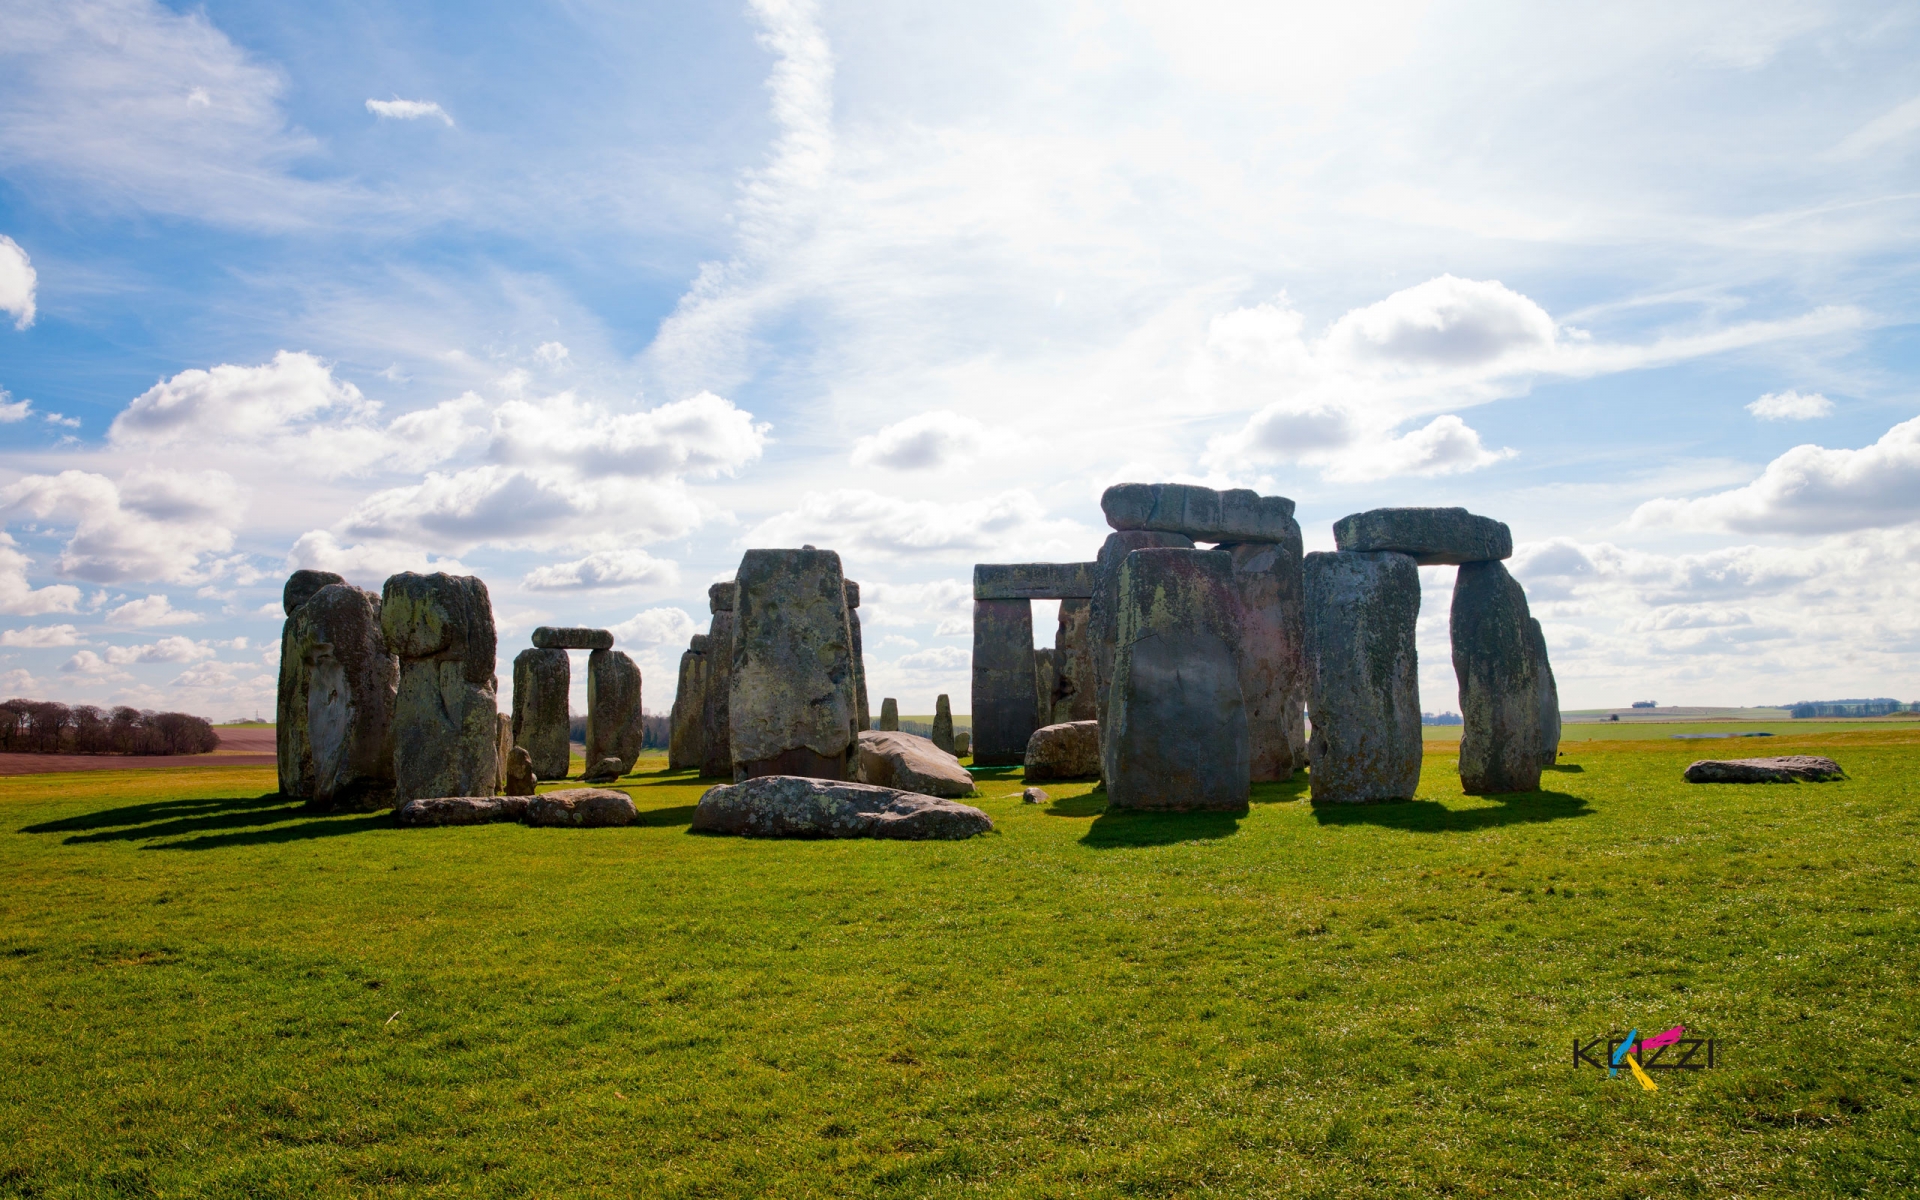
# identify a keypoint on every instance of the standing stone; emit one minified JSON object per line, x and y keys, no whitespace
{"x":1103,"y":618}
{"x":1003,"y":691}
{"x":792,"y":709}
{"x":1176,"y":735}
{"x":1433,"y":536}
{"x":520,"y":776}
{"x":1549,"y":692}
{"x":1267,"y":582}
{"x":889,"y":715}
{"x":1046,"y":677}
{"x":505,"y":749}
{"x":445,"y":716}
{"x":1500,"y":688}
{"x":716,"y":736}
{"x":614,"y":729}
{"x":689,"y":705}
{"x":291,"y":751}
{"x":351,"y":682}
{"x":1363,"y":676}
{"x":859,"y":656}
{"x":963,"y":744}
{"x":542,"y":680}
{"x":943,"y":723}
{"x":1073,"y":688}
{"x":1201,"y":513}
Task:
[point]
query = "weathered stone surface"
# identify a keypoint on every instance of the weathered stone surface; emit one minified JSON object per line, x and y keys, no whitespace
{"x":689,"y":702}
{"x":572,"y":637}
{"x":1433,"y":536}
{"x":1034,"y":796}
{"x":943,"y":722}
{"x":910,"y":763}
{"x":502,"y":748}
{"x":1070,"y":750}
{"x":1176,"y":732}
{"x":1268,"y":585}
{"x":301,"y":586}
{"x":889,"y":715}
{"x":792,"y":710}
{"x":542,"y":680}
{"x":853,"y":595}
{"x":461,"y":810}
{"x":292,"y":752}
{"x":1032,"y":581}
{"x":604,"y":770}
{"x":581,"y":808}
{"x":794,"y":807}
{"x":716,"y":734}
{"x":859,"y":657}
{"x":1201,"y":513}
{"x":351,"y":684}
{"x":721,"y":596}
{"x":1046,"y":677}
{"x":1548,"y":693}
{"x":1786,"y":768}
{"x":1363,"y":685}
{"x":1103,"y":611}
{"x":445,"y":715}
{"x":963,"y":743}
{"x":1003,"y":689}
{"x":1500,"y":689}
{"x":614,"y":729}
{"x":1073,"y":688}
{"x":520,"y":776}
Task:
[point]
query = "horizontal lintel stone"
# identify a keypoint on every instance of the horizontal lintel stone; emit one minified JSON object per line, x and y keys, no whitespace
{"x":550,"y":637}
{"x":1033,"y":581}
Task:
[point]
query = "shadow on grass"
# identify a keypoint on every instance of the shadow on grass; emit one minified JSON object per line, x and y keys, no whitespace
{"x":1573,"y":767}
{"x":1119,"y":830}
{"x":1281,"y":792}
{"x":665,"y":818}
{"x":316,"y":826}
{"x":159,"y":810}
{"x":1431,"y":816}
{"x":210,"y":823}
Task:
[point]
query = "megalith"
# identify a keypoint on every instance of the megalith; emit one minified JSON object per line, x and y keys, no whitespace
{"x":292,"y":754}
{"x":1549,"y":694}
{"x":1267,"y":585}
{"x":1500,"y":684}
{"x":943,"y":723}
{"x":1073,"y":687}
{"x":1200,"y":513}
{"x":791,"y":706}
{"x":1431,"y":536}
{"x":542,"y":679}
{"x":1046,"y":679}
{"x":614,"y":729}
{"x":889,"y":715}
{"x":716,"y":734}
{"x":520,"y":775}
{"x":859,"y":657}
{"x":1176,"y":732}
{"x":572,"y":637}
{"x":963,"y":743}
{"x":689,"y":705}
{"x":1003,"y":687}
{"x":503,"y":749}
{"x":1363,"y":681}
{"x":445,"y":715}
{"x":351,"y":684}
{"x":1103,"y":617}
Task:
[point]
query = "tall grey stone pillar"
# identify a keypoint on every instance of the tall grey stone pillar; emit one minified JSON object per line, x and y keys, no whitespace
{"x":1267,"y":583}
{"x":889,"y":715}
{"x":943,"y":723}
{"x":1073,"y":689}
{"x":689,"y":707}
{"x":792,"y":709}
{"x":1003,"y":689}
{"x":859,"y":656}
{"x":1103,"y":618}
{"x":716,"y":736}
{"x":351,"y":683}
{"x":446,"y":713}
{"x":614,"y":728}
{"x":292,"y":753}
{"x":1500,"y":682}
{"x":1046,"y":678}
{"x":1549,"y":697}
{"x":1363,"y":676}
{"x":541,"y":681}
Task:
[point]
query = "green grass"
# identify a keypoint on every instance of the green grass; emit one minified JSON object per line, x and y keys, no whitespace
{"x":1666,"y":730}
{"x":210,"y":993}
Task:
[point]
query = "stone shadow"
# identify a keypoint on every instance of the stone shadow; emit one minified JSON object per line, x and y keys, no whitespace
{"x":664,"y":818}
{"x":1120,"y":829}
{"x":1431,"y":816}
{"x":208,"y":824}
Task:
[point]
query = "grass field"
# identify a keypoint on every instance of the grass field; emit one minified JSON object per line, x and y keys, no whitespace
{"x":210,"y":993}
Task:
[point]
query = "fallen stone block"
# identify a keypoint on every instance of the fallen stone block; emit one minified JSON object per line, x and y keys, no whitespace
{"x":461,"y":810}
{"x":604,"y":770}
{"x":910,"y":763}
{"x":1070,"y":750}
{"x":790,"y":806}
{"x":582,"y":808}
{"x":1785,"y":768}
{"x":1432,"y":536}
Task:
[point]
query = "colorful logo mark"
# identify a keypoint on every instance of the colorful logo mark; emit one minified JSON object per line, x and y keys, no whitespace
{"x":1640,"y":1055}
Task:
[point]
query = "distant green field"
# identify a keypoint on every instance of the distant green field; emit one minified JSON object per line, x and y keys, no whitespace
{"x":1666,"y":731}
{"x":212,"y":993}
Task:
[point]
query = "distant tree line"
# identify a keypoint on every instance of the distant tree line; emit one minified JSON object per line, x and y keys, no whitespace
{"x":1878,"y":707}
{"x":49,"y":727}
{"x":654,"y":731}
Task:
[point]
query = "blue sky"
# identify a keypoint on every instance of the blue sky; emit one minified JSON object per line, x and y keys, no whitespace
{"x":587,"y":299}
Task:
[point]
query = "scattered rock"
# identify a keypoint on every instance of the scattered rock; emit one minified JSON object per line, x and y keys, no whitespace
{"x":614,"y":728}
{"x":542,"y":679}
{"x":791,"y":806}
{"x":351,"y":685}
{"x":581,"y":808}
{"x":1786,"y":768}
{"x":889,"y":715}
{"x":1500,"y":685}
{"x":1363,"y":680}
{"x":605,"y":770}
{"x":1433,"y":536}
{"x":520,"y":775}
{"x":1070,"y":750}
{"x":461,"y":810}
{"x":792,"y":709}
{"x":550,"y":637}
{"x":1201,"y":513}
{"x":909,"y":763}
{"x":1034,"y":796}
{"x":943,"y":723}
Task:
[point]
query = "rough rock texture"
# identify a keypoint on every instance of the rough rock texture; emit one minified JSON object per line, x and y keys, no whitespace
{"x":795,"y":807}
{"x":1548,"y":693}
{"x":1201,"y":513}
{"x":1103,"y":609}
{"x":1003,"y":704}
{"x":542,"y":680}
{"x":1363,"y":685}
{"x":1073,"y":698}
{"x":859,"y":656}
{"x":604,"y":770}
{"x":963,"y":744}
{"x":461,"y":810}
{"x":943,"y":722}
{"x":716,"y":736}
{"x":581,"y":808}
{"x":1046,"y":678}
{"x":502,"y":748}
{"x":1786,"y":768}
{"x":910,"y":763}
{"x":613,"y":708}
{"x":1070,"y":750}
{"x":689,"y":705}
{"x":520,"y":776}
{"x":351,"y":683}
{"x":1176,"y":731}
{"x":293,"y":754}
{"x":1268,"y":585}
{"x":889,"y":715}
{"x":792,"y":709}
{"x":1433,"y":536}
{"x":445,"y":716}
{"x":1034,"y":796}
{"x":1493,"y":658}
{"x":1032,"y":581}
{"x":551,"y":637}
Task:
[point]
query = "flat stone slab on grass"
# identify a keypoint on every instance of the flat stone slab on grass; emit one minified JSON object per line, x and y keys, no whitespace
{"x":581,"y":808}
{"x":1432,"y":536}
{"x":791,"y":806}
{"x":461,"y":810}
{"x":911,"y":763}
{"x":1785,"y":768}
{"x":554,"y":637}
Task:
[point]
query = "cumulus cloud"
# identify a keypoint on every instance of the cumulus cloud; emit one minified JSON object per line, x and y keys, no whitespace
{"x":151,"y":610}
{"x":88,"y":663}
{"x":41,"y":636}
{"x":945,"y":603}
{"x":17,"y":282}
{"x":232,"y":401}
{"x":1446,"y":323}
{"x":12,"y":411}
{"x":1791,"y":406}
{"x":408,"y":110}
{"x":604,"y":569}
{"x":935,"y":658}
{"x":20,"y":598}
{"x":857,"y":522}
{"x":18,"y":681}
{"x":365,"y":563}
{"x":655,"y":627}
{"x":931,"y":439}
{"x":518,"y":506}
{"x":174,"y":649}
{"x":153,"y":524}
{"x":703,"y":435}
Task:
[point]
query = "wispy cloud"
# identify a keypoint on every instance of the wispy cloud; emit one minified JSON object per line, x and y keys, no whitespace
{"x":408,"y":110}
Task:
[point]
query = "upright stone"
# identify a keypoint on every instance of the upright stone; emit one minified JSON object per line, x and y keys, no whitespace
{"x":689,"y":705}
{"x":292,"y":752}
{"x":1267,"y":583}
{"x":792,"y":704}
{"x":963,"y":744}
{"x":351,"y":682}
{"x":1201,"y":513}
{"x":1432,"y":536}
{"x":716,"y":736}
{"x":1363,"y":676}
{"x":889,"y":715}
{"x":504,"y":749}
{"x":943,"y":723}
{"x":1103,"y":623}
{"x":1176,"y":735}
{"x":1003,"y":690}
{"x":1046,"y":677}
{"x":445,"y":717}
{"x":1500,"y":686}
{"x":614,"y":729}
{"x":1549,"y":692}
{"x":542,"y":680}
{"x":520,"y":776}
{"x":859,"y":656}
{"x":1073,"y":688}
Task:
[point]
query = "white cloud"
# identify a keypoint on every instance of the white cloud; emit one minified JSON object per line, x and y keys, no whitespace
{"x":655,"y":627}
{"x":605,"y":569}
{"x":932,"y":439}
{"x":1012,"y":525}
{"x":18,"y":682}
{"x":1891,"y":126}
{"x":152,"y":610}
{"x":1446,"y":323}
{"x":366,"y":564}
{"x":552,"y":353}
{"x":904,"y":605}
{"x":13,"y":411}
{"x":518,"y":506}
{"x":228,"y":401}
{"x":88,"y":663}
{"x":703,"y":435}
{"x":20,"y":598}
{"x":408,"y":110}
{"x":17,"y":282}
{"x":935,"y":658}
{"x":41,"y":636}
{"x":166,"y":650}
{"x":153,"y":525}
{"x":1791,"y":406}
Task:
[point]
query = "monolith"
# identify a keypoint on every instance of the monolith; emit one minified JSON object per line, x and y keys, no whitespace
{"x":943,"y":723}
{"x":351,"y":683}
{"x":1103,"y":618}
{"x":1003,"y":687}
{"x":859,"y":657}
{"x":1363,"y":685}
{"x":1549,"y":695}
{"x":291,"y":750}
{"x":520,"y":776}
{"x":792,"y":709}
{"x":1267,"y":585}
{"x":716,"y":736}
{"x":1046,"y":678}
{"x":542,"y":680}
{"x":889,"y":715}
{"x":614,"y":729}
{"x":1500,"y":685}
{"x":445,"y":716}
{"x":1073,"y":688}
{"x":503,"y":747}
{"x":689,"y":704}
{"x":963,"y":743}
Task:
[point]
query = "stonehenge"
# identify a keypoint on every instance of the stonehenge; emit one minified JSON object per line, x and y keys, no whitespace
{"x":1363,"y":676}
{"x":716,"y":737}
{"x":1269,"y":588}
{"x":859,"y":657}
{"x":1103,"y":603}
{"x":791,"y":703}
{"x":1073,"y":687}
{"x":689,"y":698}
{"x":351,"y":684}
{"x":613,"y":708}
{"x":943,"y":723}
{"x":1013,"y":685}
{"x":291,"y":751}
{"x":1501,"y":744}
{"x":889,"y":715}
{"x":445,"y":714}
{"x":542,"y":678}
{"x":1431,"y":536}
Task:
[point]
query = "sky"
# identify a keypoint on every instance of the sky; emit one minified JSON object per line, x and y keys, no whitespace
{"x":588,"y":298}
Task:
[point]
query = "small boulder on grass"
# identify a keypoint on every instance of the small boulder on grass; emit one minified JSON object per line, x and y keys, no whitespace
{"x":606,"y":770}
{"x":911,"y":763}
{"x":793,"y":806}
{"x":1785,"y":768}
{"x":1034,"y":796}
{"x":461,"y":810}
{"x":582,"y":808}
